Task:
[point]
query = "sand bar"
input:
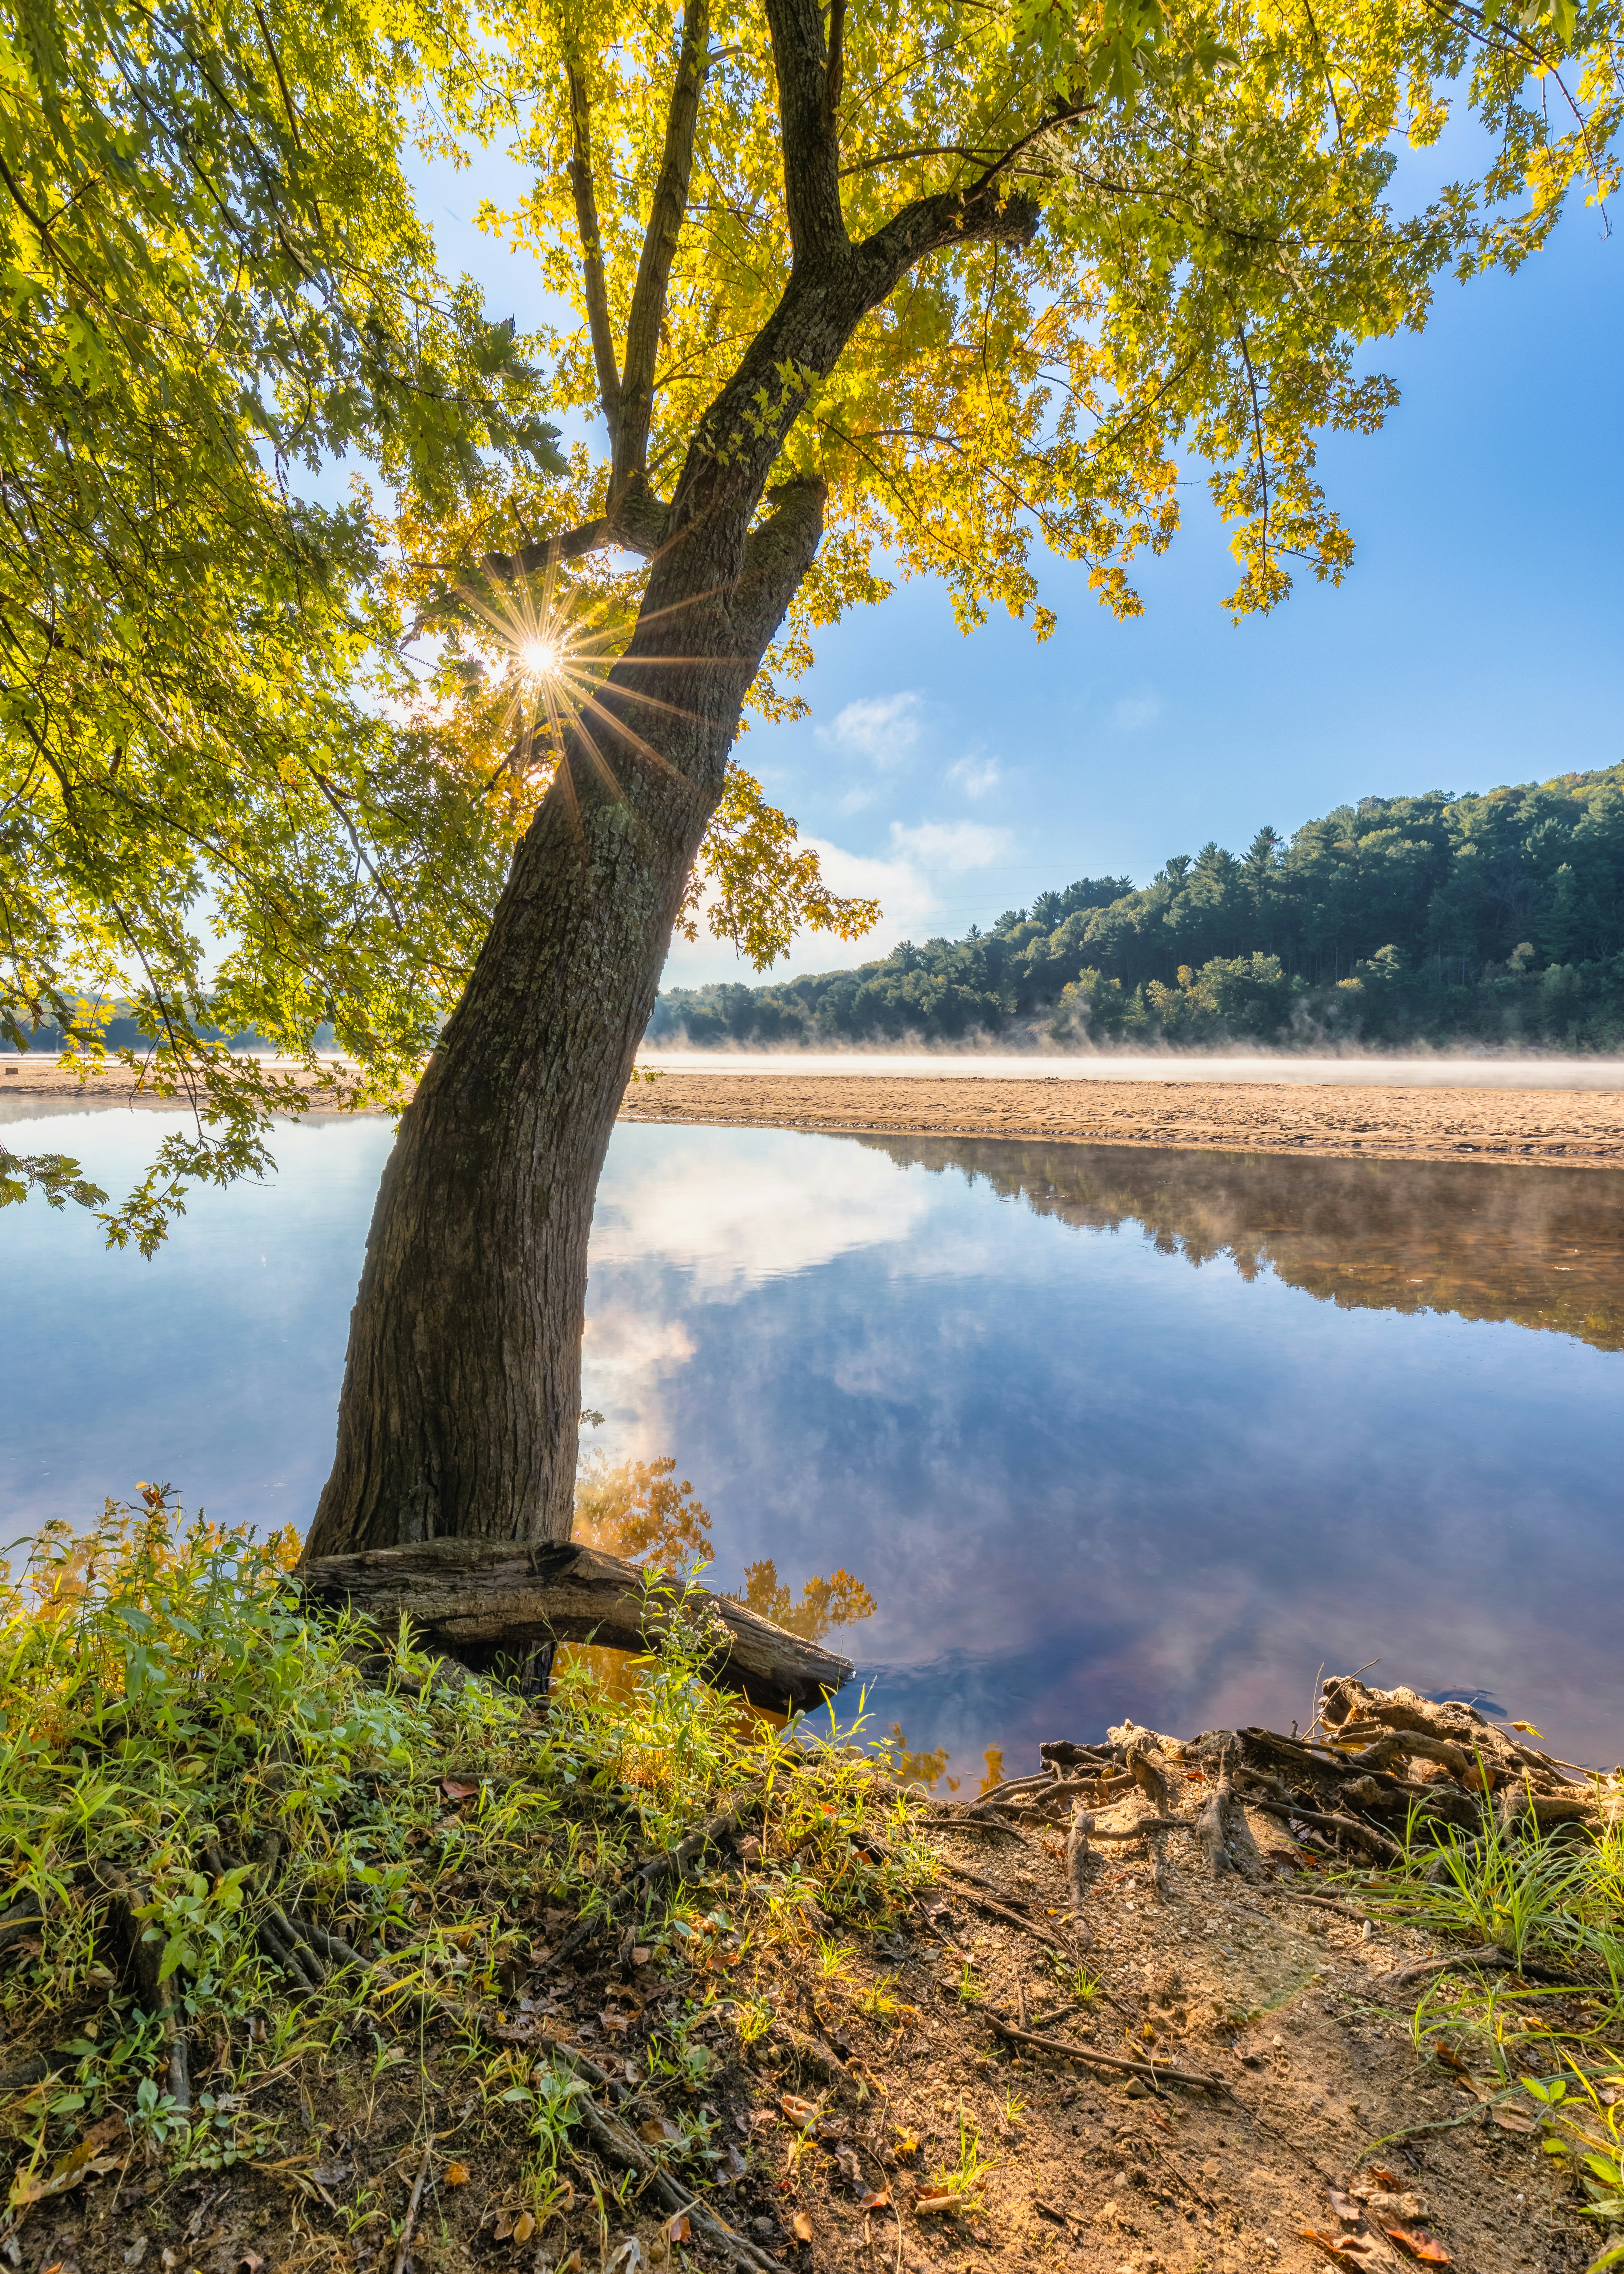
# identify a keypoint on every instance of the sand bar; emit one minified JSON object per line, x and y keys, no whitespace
{"x":1578,"y":1129}
{"x":1404,"y":1122}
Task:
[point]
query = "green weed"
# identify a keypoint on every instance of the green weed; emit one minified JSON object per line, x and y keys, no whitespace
{"x":966,"y":2177}
{"x":302,"y":1837}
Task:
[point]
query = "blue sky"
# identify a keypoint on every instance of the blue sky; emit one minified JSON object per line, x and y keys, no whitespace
{"x":1476,"y":641}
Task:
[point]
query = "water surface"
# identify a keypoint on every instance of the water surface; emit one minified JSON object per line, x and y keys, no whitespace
{"x":1104,"y":1430}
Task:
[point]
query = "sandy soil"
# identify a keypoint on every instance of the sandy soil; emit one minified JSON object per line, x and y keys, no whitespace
{"x":1580,"y":1129}
{"x":1296,"y":2016}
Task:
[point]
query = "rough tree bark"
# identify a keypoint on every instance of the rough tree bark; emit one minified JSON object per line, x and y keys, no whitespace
{"x":461,"y":1403}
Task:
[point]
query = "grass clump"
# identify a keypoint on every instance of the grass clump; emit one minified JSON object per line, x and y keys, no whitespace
{"x":282,"y":1895}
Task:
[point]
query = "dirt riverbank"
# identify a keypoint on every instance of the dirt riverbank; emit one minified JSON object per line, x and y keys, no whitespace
{"x":1579,"y":1129}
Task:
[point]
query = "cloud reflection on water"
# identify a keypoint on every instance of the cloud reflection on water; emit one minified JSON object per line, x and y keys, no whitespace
{"x":1064,"y":1412}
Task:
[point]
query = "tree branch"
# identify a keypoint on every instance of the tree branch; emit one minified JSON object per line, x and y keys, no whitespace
{"x":592,"y":251}
{"x":638,"y":524}
{"x":659,"y":245}
{"x":811,"y":177}
{"x":834,"y":74}
{"x":740,"y":436}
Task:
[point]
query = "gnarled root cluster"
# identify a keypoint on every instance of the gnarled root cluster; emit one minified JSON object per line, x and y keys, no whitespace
{"x":1377,"y":1767}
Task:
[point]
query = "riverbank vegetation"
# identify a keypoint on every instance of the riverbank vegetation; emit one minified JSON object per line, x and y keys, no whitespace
{"x":320,"y":1954}
{"x":1495,"y":920}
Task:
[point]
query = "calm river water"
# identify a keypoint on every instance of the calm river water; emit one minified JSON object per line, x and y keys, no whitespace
{"x":1103,"y":1431}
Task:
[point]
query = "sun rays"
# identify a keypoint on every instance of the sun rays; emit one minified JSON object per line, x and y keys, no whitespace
{"x":553,"y":642}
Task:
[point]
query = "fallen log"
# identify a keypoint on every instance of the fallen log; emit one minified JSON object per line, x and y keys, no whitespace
{"x":476,"y":1602}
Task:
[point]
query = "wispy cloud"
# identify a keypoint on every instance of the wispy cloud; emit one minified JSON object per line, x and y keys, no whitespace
{"x":954,"y":845}
{"x":882,"y":728}
{"x":1134,"y":711}
{"x":976,"y":776}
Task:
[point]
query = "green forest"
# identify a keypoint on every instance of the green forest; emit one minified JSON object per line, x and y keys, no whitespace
{"x":1489,"y":919}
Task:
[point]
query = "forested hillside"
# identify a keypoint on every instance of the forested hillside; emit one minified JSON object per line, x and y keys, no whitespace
{"x":1495,"y":918}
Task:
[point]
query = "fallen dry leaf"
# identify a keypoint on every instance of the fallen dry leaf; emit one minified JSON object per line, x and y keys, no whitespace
{"x":1384,"y":2177}
{"x":454,"y":1791}
{"x":250,"y":2262}
{"x":1345,"y":2207}
{"x":800,"y":2112}
{"x":456,"y":2175}
{"x":524,"y":2226}
{"x":639,"y":1957}
{"x":504,"y":2226}
{"x":80,"y":2162}
{"x":657,"y":2130}
{"x":614,"y":2021}
{"x":1510,"y":2120}
{"x":879,"y":2200}
{"x":1346,"y":2249}
{"x":677,"y":2227}
{"x":800,"y":2226}
{"x":905,"y":2144}
{"x":1419,"y":2244}
{"x":754,"y":2119}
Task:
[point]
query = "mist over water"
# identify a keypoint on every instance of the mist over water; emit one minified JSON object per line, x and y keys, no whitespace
{"x":1104,"y":1430}
{"x":1423,"y":1071}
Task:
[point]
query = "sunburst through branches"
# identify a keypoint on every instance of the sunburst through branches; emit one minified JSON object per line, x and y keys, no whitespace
{"x":555,"y":643}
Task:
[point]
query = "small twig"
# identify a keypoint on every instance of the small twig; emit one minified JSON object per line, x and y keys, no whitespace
{"x":412,"y":2208}
{"x":1152,"y":2070}
{"x":984,"y":1824}
{"x":1042,"y":1934}
{"x":1322,"y":1902}
{"x":1489,"y":1955}
{"x":1478,"y":2113}
{"x":974,"y":1879}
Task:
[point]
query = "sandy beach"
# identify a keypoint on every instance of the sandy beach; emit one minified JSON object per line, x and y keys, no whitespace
{"x":1579,"y":1129}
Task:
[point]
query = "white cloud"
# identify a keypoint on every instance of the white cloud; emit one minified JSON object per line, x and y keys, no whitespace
{"x":1136,"y":711}
{"x":976,"y":776}
{"x":911,"y":885}
{"x":778,"y":1209}
{"x":955,"y":845}
{"x":882,"y":728}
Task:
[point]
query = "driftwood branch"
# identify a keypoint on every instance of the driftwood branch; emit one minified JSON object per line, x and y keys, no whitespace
{"x":476,"y":1602}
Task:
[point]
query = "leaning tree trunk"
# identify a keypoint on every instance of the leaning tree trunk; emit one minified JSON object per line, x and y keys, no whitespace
{"x":461,"y":1404}
{"x":461,"y":1397}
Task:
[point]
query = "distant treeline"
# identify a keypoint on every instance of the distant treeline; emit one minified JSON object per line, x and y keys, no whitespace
{"x":1495,"y":919}
{"x":122,"y":1031}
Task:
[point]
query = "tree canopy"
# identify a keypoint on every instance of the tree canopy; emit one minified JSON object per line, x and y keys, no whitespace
{"x":930,"y":287}
{"x":1498,"y":918}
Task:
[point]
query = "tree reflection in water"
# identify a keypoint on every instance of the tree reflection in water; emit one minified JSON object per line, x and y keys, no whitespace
{"x":1538,"y":1247}
{"x":638,"y":1510}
